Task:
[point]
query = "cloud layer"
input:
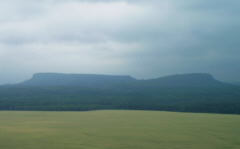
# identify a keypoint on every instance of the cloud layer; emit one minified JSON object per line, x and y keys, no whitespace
{"x":145,"y":39}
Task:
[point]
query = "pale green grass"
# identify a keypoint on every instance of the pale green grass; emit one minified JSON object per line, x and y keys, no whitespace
{"x":118,"y":130}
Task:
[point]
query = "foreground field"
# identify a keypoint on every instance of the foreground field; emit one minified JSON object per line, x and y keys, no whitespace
{"x":118,"y":130}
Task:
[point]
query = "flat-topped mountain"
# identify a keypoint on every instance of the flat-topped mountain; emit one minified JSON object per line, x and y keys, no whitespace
{"x":90,"y":80}
{"x":103,"y":81}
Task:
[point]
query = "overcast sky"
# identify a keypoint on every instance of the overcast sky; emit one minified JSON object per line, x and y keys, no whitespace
{"x":141,"y":38}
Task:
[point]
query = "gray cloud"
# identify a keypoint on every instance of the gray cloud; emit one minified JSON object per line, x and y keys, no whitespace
{"x":144,"y":39}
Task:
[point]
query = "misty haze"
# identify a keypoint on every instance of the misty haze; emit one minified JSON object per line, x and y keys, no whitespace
{"x":119,"y":74}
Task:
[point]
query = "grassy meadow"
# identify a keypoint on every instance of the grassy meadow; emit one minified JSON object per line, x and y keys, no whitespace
{"x":113,"y":129}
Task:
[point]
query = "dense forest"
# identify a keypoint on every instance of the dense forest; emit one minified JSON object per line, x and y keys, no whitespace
{"x":65,"y":98}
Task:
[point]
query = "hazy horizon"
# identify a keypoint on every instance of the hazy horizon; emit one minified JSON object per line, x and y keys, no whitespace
{"x":112,"y":75}
{"x":143,"y":39}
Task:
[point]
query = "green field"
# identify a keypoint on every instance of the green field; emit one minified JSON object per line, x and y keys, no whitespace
{"x":118,"y":130}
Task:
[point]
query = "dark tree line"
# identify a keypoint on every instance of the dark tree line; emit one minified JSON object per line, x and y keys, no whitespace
{"x":207,"y":100}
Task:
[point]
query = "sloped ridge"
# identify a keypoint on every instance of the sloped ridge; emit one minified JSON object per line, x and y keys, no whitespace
{"x":188,"y":80}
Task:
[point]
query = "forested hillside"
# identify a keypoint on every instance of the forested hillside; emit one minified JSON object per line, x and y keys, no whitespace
{"x":64,"y":92}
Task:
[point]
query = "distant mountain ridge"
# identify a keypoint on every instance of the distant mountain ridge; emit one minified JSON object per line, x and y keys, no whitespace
{"x":108,"y":81}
